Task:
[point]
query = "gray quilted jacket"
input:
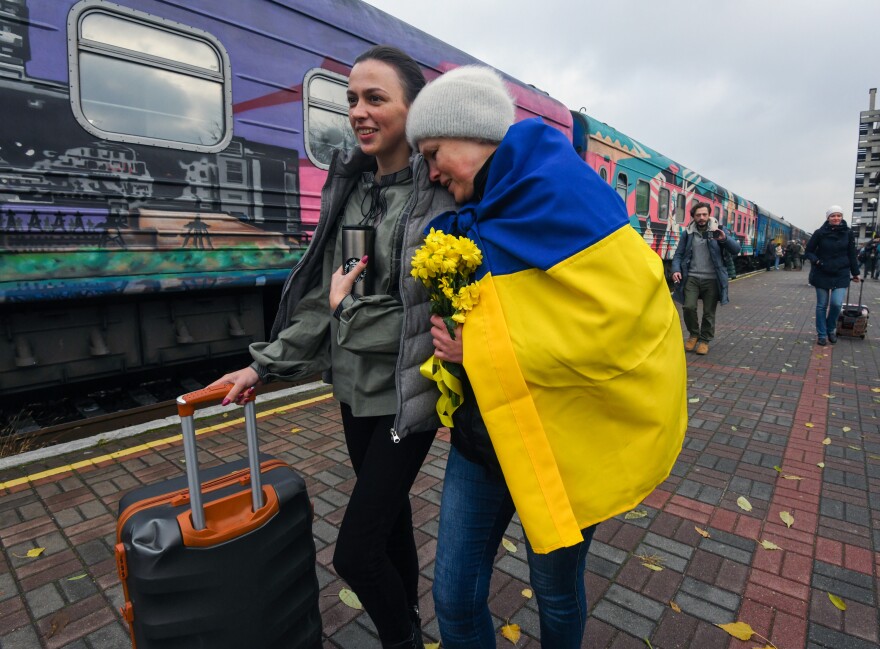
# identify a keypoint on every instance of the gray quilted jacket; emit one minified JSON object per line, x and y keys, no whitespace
{"x":416,"y":395}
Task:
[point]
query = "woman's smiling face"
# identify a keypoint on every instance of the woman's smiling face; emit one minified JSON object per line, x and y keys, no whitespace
{"x":377,"y":110}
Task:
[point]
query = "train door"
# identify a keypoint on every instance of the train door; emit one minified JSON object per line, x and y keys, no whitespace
{"x":663,"y":243}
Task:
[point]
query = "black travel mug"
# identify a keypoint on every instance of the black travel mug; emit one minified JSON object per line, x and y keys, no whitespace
{"x":357,"y":241}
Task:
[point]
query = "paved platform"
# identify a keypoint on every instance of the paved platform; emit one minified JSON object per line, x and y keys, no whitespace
{"x":764,"y":397}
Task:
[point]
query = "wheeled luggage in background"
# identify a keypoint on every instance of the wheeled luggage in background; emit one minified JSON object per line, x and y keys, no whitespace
{"x":220,"y":560}
{"x":853,"y":318}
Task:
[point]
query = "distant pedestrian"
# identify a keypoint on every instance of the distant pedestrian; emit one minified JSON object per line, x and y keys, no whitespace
{"x":872,"y":258}
{"x":777,"y":256}
{"x":699,"y":273}
{"x":832,"y":253}
{"x":799,"y":254}
{"x":790,"y":254}
{"x":769,"y":254}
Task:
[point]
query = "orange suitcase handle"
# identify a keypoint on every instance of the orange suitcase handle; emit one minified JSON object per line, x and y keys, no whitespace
{"x":186,"y":403}
{"x":186,"y":407}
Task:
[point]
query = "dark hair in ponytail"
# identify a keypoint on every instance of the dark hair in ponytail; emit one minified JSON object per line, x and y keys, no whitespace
{"x":408,"y":71}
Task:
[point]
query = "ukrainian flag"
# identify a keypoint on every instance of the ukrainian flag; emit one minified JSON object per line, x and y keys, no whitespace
{"x":574,"y":351}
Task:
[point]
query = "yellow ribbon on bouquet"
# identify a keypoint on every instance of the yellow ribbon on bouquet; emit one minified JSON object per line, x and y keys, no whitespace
{"x":451,"y":393}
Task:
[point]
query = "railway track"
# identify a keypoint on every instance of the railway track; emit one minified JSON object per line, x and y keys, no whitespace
{"x":33,"y":424}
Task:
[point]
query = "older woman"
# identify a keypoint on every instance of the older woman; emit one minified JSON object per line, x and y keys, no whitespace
{"x":576,"y":367}
{"x":832,"y":253}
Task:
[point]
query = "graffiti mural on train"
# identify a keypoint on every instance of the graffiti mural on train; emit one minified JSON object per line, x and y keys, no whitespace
{"x":161,"y":166}
{"x":104,"y":204}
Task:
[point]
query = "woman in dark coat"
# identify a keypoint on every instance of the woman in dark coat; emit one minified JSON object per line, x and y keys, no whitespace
{"x":832,"y":253}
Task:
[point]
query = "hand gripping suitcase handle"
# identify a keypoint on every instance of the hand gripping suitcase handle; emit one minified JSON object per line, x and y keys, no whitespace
{"x":187,"y":404}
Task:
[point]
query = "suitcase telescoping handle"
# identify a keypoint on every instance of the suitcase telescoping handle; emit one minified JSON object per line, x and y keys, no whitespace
{"x":187,"y":404}
{"x":861,"y":288}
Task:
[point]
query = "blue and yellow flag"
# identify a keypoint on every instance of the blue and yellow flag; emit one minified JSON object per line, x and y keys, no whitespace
{"x":574,"y":351}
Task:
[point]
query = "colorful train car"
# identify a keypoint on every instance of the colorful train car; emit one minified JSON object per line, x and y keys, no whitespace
{"x":659,"y":192}
{"x":161,"y":164}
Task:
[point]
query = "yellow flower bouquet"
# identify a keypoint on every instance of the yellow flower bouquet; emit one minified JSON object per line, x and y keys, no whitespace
{"x":445,"y":264}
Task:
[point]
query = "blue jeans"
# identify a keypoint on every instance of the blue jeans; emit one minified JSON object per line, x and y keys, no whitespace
{"x":826,"y":318}
{"x":475,"y":510}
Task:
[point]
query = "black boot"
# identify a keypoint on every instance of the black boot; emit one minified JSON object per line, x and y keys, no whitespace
{"x":415,"y":640}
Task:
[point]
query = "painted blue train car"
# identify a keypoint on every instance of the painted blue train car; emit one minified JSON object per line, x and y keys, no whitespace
{"x":161,"y":163}
{"x":659,"y":193}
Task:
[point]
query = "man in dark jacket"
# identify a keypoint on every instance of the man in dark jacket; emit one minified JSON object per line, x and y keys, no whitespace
{"x":699,"y":273}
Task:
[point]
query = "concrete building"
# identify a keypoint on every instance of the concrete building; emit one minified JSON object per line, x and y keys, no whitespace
{"x":867,"y":185}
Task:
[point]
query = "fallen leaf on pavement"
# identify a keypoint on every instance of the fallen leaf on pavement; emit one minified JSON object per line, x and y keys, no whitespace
{"x":57,"y":623}
{"x":739,"y":630}
{"x":636,"y":513}
{"x":839,"y":603}
{"x":511,"y":632}
{"x":350,"y":599}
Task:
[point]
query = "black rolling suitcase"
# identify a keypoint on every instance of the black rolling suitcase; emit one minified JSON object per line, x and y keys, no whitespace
{"x":853,"y":319}
{"x":220,"y":560}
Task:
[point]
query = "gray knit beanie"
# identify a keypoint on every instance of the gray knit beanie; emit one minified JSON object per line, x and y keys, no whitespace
{"x":469,"y":102}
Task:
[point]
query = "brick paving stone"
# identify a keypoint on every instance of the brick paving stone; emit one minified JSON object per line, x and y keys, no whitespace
{"x":823,"y":638}
{"x":634,"y":602}
{"x":704,"y":591}
{"x":623,"y":619}
{"x":751,"y":417}
{"x":77,"y":586}
{"x":843,"y":582}
{"x":23,"y":638}
{"x":44,"y":600}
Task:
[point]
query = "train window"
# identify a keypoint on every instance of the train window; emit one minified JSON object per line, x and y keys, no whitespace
{"x":326,"y":116}
{"x":643,"y":197}
{"x":621,"y":187}
{"x":717,"y":215}
{"x":603,"y":173}
{"x":679,"y":208}
{"x":143,"y":79}
{"x":663,"y":211}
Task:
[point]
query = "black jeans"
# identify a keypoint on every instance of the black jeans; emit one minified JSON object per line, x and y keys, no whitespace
{"x":375,"y":550}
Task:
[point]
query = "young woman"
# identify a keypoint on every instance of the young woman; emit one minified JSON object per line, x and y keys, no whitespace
{"x":575,"y":400}
{"x":832,"y":253}
{"x":370,"y":346}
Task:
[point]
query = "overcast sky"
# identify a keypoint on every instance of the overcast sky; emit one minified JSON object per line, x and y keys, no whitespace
{"x":759,"y":96}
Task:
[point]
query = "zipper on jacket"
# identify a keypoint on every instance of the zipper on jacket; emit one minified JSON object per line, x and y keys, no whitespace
{"x":406,"y":218}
